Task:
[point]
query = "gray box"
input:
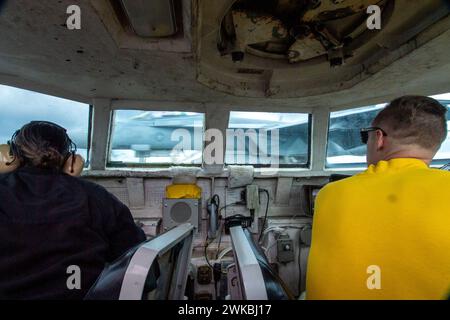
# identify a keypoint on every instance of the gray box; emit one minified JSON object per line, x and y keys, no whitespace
{"x":285,"y":252}
{"x":179,"y":211}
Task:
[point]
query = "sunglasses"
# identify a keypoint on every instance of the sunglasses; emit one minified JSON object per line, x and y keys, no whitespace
{"x":365,"y":133}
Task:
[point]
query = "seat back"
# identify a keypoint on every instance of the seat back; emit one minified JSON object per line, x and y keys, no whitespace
{"x":159,"y":265}
{"x":258,"y":280}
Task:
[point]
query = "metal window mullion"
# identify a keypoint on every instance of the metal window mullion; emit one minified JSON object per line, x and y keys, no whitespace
{"x":100,"y":133}
{"x":319,"y":141}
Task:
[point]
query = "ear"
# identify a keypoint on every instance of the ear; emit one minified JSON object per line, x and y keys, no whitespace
{"x":381,"y":141}
{"x":6,"y":158}
{"x":78,"y":166}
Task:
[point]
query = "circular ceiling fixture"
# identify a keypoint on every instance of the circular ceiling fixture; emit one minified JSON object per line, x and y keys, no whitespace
{"x":298,"y":30}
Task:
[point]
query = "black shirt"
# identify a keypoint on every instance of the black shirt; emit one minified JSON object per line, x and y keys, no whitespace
{"x":50,"y":221}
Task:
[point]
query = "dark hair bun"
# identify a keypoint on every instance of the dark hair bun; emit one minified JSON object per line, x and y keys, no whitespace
{"x":46,"y":158}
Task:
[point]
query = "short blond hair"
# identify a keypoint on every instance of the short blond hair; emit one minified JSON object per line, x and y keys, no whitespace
{"x":415,"y":120}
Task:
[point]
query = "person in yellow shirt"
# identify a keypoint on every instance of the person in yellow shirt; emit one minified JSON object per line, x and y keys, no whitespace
{"x":385,"y":233}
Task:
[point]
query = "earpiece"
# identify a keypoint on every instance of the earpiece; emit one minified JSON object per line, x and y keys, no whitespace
{"x":6,"y":159}
{"x":74,"y":165}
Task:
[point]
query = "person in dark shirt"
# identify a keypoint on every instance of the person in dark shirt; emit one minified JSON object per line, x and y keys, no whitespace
{"x":52,"y":223}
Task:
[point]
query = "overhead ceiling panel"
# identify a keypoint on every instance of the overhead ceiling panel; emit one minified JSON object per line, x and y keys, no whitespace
{"x":155,"y":18}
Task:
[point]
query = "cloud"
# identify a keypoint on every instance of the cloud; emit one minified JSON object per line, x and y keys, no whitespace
{"x":18,"y":107}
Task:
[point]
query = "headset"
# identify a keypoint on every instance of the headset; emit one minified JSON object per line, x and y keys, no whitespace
{"x":14,"y":151}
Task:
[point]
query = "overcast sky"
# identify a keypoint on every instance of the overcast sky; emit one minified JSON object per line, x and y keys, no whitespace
{"x":18,"y":107}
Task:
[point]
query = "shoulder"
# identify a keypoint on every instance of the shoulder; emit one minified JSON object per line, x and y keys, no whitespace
{"x":444,"y":174}
{"x":91,"y":188}
{"x":101,"y":197}
{"x":4,"y":180}
{"x":339,"y":187}
{"x":98,"y":192}
{"x":435,"y":177}
{"x":3,"y":176}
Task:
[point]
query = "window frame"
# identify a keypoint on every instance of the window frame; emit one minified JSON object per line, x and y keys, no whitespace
{"x":111,"y":165}
{"x":87,"y":165}
{"x":306,"y":165}
{"x":443,"y":162}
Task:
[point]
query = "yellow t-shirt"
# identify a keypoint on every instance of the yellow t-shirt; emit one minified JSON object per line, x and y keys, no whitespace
{"x":382,"y":234}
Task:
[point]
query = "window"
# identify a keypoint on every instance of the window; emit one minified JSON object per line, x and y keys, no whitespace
{"x":344,"y":142}
{"x":156,"y":137}
{"x":265,"y":138}
{"x":345,"y":148}
{"x":18,"y":107}
{"x":443,"y":154}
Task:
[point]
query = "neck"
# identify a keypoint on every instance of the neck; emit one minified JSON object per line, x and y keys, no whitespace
{"x":419,"y":154}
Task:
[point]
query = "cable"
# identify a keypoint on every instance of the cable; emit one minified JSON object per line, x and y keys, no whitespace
{"x":228,"y":205}
{"x":265,"y":215}
{"x":214,"y":269}
{"x":206,"y":251}
{"x":216,"y":200}
{"x":224,"y":252}
{"x":220,"y":239}
{"x":206,"y":254}
{"x":280,"y":228}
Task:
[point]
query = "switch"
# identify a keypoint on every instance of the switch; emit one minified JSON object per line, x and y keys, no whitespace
{"x":285,"y":249}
